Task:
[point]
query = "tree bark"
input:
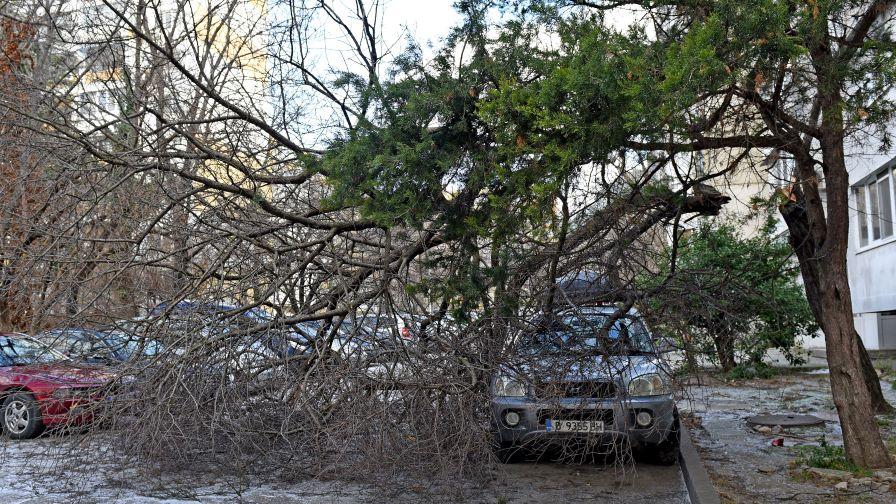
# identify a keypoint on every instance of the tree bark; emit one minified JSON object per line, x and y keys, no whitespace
{"x":725,"y":351}
{"x":852,"y":397}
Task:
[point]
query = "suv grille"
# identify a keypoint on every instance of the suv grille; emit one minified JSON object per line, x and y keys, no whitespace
{"x":571,"y":389}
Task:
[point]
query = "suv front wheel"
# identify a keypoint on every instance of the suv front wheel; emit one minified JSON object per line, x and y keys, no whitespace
{"x":666,"y":451}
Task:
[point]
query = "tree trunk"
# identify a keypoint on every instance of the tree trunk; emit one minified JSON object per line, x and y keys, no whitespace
{"x":725,"y":351}
{"x":71,"y":304}
{"x":795,"y":218}
{"x":827,"y":288}
{"x":828,"y":238}
{"x":861,"y":435}
{"x":689,"y":350}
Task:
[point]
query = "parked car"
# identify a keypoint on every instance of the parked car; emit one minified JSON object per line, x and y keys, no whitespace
{"x":586,"y":376}
{"x":94,"y":346}
{"x":40,"y":387}
{"x":131,"y":346}
{"x":209,"y":311}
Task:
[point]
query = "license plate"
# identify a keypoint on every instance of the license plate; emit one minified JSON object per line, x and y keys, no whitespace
{"x":582,"y":426}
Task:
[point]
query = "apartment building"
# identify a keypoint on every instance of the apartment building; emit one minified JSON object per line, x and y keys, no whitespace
{"x":871,"y":256}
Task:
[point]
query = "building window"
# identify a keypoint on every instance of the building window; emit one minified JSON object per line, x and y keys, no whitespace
{"x":875,"y":210}
{"x":863,"y":215}
{"x":876,"y":207}
{"x":886,"y":206}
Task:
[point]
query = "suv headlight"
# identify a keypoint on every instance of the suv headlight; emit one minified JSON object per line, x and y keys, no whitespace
{"x":508,"y":387}
{"x":647,"y":385}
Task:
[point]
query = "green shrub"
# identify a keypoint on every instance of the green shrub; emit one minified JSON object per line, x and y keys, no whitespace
{"x":732,"y":296}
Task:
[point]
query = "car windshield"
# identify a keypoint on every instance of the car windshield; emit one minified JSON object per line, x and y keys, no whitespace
{"x":576,"y":332}
{"x":26,"y":351}
{"x":129,"y":345}
{"x":76,"y":342}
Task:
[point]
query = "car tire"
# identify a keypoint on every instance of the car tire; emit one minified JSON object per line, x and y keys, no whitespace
{"x":20,"y":416}
{"x":666,"y":451}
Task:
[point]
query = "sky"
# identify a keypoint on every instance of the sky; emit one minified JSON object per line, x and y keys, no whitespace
{"x":426,"y":20}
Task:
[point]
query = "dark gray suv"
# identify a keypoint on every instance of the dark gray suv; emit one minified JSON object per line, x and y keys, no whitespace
{"x":591,"y":376}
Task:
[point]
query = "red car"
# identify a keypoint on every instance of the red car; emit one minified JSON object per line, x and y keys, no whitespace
{"x":40,"y":387}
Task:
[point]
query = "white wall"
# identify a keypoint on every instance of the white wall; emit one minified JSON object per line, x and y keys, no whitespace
{"x":872,"y":269}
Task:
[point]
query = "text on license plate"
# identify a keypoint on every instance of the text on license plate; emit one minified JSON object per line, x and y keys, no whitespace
{"x":584,"y":426}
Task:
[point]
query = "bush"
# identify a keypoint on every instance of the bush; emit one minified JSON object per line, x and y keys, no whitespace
{"x":733,"y":297}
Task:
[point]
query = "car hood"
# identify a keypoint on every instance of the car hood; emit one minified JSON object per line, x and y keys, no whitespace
{"x":65,"y":374}
{"x":565,"y":367}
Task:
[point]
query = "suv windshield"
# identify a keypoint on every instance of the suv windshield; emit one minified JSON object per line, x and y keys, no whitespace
{"x":574,"y":332}
{"x":26,"y":351}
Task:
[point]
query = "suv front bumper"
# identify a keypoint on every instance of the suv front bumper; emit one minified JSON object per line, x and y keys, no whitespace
{"x":618,"y":417}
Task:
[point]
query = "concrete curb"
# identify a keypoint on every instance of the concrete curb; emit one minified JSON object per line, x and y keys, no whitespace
{"x":697,"y":480}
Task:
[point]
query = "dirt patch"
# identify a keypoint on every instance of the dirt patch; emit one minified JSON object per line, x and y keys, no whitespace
{"x":745,"y":463}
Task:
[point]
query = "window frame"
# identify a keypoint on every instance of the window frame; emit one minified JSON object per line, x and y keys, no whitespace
{"x":874,"y":224}
{"x":884,"y":184}
{"x":859,"y":192}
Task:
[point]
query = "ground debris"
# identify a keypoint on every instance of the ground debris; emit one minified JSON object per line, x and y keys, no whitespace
{"x":741,"y":461}
{"x":885,"y":475}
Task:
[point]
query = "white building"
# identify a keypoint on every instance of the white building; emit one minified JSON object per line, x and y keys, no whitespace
{"x":871,"y":256}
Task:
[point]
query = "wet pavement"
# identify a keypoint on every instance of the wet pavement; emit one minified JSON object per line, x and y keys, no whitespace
{"x":557,"y":483}
{"x":742,"y":460}
{"x":34,"y":472}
